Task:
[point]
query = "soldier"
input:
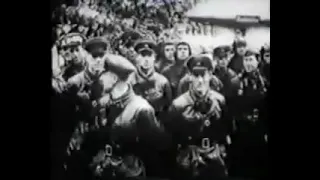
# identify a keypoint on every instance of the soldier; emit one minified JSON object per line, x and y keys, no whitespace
{"x":70,"y":47}
{"x":236,"y":62}
{"x":62,"y":126}
{"x":186,"y":81}
{"x":85,"y":85}
{"x":197,"y":125}
{"x":129,"y":143}
{"x":85,"y":89}
{"x":250,"y":129}
{"x":165,"y":56}
{"x":176,"y":71}
{"x":223,"y":72}
{"x":151,"y":85}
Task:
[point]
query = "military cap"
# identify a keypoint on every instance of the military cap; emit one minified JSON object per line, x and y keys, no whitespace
{"x":71,"y":39}
{"x":96,"y":46}
{"x":220,"y":52}
{"x":145,"y":45}
{"x":199,"y":62}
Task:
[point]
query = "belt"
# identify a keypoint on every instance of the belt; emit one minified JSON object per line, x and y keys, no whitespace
{"x":127,"y":165}
{"x":200,"y":142}
{"x":193,"y":158}
{"x":112,"y":162}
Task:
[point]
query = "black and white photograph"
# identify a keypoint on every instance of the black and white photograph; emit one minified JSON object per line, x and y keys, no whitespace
{"x":160,"y":89}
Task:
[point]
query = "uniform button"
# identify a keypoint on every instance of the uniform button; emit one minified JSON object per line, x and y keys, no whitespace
{"x":117,"y":146}
{"x":207,"y":123}
{"x":189,"y":137}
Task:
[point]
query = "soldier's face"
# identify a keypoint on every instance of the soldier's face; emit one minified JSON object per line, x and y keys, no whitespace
{"x":223,"y":62}
{"x":169,"y":51}
{"x":71,"y":53}
{"x":201,"y":82}
{"x":108,"y":81}
{"x":146,"y":61}
{"x":241,"y":50}
{"x":266,"y":57}
{"x":250,"y":63}
{"x":182,"y":52}
{"x":96,"y":63}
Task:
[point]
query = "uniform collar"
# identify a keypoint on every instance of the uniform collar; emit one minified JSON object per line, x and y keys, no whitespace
{"x":123,"y":100}
{"x":141,"y":75}
{"x":88,"y":76}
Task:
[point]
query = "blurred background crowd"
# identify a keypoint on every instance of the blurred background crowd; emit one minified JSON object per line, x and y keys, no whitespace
{"x":122,"y":23}
{"x":160,"y":20}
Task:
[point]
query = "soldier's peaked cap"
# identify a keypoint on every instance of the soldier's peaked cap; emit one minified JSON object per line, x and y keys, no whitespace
{"x":141,"y":45}
{"x":97,"y":42}
{"x":199,"y":62}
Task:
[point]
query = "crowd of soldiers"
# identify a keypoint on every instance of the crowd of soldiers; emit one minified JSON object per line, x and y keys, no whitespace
{"x":138,"y":107}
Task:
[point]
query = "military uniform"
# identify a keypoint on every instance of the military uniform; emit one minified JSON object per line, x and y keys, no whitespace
{"x":85,"y":90}
{"x":198,"y":129}
{"x":154,"y":87}
{"x":236,"y":62}
{"x":84,"y":86}
{"x":248,"y":144}
{"x":130,"y":141}
{"x":225,"y":74}
{"x":174,"y":73}
{"x":72,"y":42}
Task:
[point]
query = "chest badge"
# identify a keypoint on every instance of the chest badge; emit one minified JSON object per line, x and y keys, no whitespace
{"x":207,"y":123}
